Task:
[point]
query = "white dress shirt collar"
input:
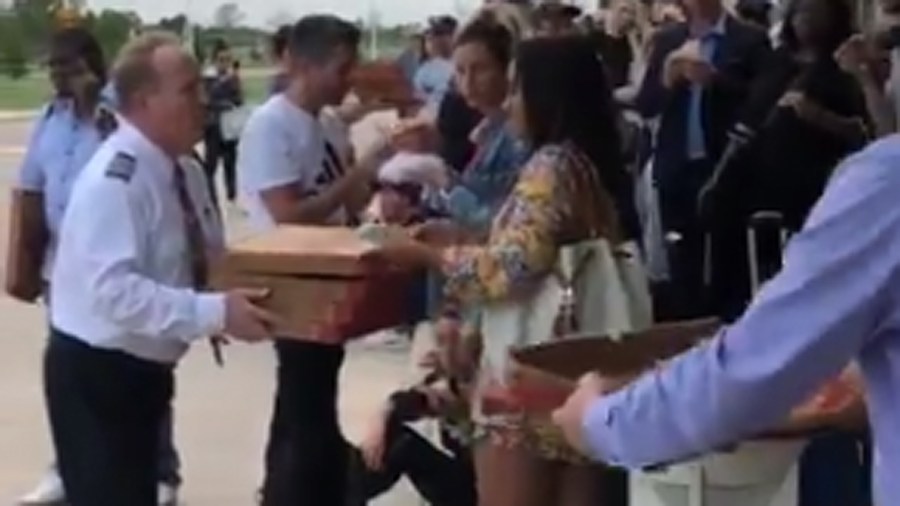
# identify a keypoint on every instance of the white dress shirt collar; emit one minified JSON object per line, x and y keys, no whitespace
{"x":147,"y":150}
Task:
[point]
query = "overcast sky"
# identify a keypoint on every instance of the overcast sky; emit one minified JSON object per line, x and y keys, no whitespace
{"x":262,"y":12}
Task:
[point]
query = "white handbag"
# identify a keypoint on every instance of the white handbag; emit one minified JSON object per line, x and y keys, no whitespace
{"x":602,"y":286}
{"x":232,"y":122}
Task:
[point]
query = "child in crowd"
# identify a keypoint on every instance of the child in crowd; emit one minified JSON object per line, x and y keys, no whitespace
{"x":401,"y":199}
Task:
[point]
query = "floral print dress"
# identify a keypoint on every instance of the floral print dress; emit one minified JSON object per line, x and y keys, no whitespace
{"x":525,"y":238}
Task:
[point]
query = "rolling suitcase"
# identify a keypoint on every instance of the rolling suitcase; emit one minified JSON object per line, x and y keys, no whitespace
{"x":766,"y":239}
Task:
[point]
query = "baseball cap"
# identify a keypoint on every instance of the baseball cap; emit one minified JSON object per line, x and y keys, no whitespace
{"x":555,"y":8}
{"x":441,"y":25}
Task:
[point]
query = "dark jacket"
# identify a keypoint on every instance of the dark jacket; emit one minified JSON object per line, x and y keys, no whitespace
{"x":455,"y":122}
{"x":617,"y":57}
{"x":788,"y":163}
{"x":223,"y":93}
{"x":739,"y":58}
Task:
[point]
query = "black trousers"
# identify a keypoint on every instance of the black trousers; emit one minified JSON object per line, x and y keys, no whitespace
{"x":441,"y":479}
{"x":220,"y":150}
{"x":835,"y":470}
{"x":686,"y":294}
{"x":105,"y":409}
{"x":306,"y":457}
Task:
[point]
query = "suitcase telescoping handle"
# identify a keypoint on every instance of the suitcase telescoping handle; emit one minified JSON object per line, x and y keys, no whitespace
{"x":764,"y":221}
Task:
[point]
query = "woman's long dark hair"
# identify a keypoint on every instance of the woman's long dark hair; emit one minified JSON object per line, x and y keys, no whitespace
{"x":79,"y":42}
{"x":842,"y":26}
{"x":567,"y":98}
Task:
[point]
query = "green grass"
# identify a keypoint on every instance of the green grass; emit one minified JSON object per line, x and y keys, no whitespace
{"x":31,"y":92}
{"x":24,"y":94}
{"x":256,"y":88}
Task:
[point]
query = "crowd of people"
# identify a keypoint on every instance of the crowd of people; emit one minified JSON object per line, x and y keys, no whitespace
{"x":679,"y":134}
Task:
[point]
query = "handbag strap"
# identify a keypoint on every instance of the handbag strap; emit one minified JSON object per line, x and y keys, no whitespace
{"x":579,"y":264}
{"x":566,"y":319}
{"x":594,"y":205}
{"x":595,"y":209}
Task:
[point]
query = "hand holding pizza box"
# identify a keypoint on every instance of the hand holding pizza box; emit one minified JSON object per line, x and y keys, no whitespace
{"x":320,"y":284}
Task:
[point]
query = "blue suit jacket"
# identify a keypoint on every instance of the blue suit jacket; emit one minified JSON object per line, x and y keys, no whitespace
{"x":739,"y":58}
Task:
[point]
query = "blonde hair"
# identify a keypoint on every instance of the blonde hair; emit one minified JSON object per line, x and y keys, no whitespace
{"x":642,"y":24}
{"x":134,"y":69}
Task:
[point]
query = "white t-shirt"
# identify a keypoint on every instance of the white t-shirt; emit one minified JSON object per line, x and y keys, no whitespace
{"x":281,"y":145}
{"x":336,"y":131}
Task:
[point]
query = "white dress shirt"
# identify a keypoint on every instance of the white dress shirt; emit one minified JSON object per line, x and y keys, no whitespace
{"x":122,"y":278}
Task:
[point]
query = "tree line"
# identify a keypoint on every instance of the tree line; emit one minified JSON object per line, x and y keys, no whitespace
{"x":26,"y":28}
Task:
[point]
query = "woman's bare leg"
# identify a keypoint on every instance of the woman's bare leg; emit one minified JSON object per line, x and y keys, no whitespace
{"x":583,"y":485}
{"x":511,"y":477}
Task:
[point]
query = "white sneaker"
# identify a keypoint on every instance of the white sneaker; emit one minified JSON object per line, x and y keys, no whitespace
{"x":167,"y":495}
{"x":389,"y":339}
{"x":49,"y":492}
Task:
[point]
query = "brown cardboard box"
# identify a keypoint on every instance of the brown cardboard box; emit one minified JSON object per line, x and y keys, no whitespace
{"x":544,"y":375}
{"x":319,"y":283}
{"x":382,"y":80}
{"x":28,"y":236}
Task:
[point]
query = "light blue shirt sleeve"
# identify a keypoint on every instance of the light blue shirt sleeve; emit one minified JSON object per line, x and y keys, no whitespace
{"x":835,"y":291}
{"x":432,"y":82}
{"x":31,"y":174}
{"x":419,"y":78}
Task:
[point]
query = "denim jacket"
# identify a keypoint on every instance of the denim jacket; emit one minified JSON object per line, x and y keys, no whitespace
{"x":490,"y":176}
{"x":482,"y":188}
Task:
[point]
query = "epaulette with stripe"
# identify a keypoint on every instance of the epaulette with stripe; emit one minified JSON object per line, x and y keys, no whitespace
{"x":122,"y":166}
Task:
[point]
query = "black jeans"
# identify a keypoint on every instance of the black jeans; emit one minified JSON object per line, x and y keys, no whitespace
{"x":106,"y":409}
{"x":220,"y":150}
{"x":686,"y":294}
{"x":441,"y":479}
{"x":169,"y":460}
{"x":835,"y":470}
{"x":306,"y":457}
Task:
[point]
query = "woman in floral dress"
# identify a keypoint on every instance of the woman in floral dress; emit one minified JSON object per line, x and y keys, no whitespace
{"x":561,"y":103}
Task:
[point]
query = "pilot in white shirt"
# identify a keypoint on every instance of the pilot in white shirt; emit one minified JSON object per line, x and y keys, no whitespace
{"x":124,"y":279}
{"x":129,"y":282}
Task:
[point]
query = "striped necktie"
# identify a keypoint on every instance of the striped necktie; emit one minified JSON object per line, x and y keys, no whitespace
{"x":196,"y":249}
{"x":194,"y":232}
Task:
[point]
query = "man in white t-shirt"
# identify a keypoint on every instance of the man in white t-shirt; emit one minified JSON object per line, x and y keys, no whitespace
{"x":287,"y":173}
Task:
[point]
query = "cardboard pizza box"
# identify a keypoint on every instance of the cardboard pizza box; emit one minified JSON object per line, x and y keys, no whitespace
{"x":319,"y":282}
{"x":382,"y":80}
{"x":544,"y":375}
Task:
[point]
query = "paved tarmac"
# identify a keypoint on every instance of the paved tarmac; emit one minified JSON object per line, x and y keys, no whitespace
{"x":221,"y":414}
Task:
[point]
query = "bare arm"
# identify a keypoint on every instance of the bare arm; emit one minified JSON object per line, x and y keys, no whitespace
{"x":289,"y":204}
{"x":879,"y":105}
